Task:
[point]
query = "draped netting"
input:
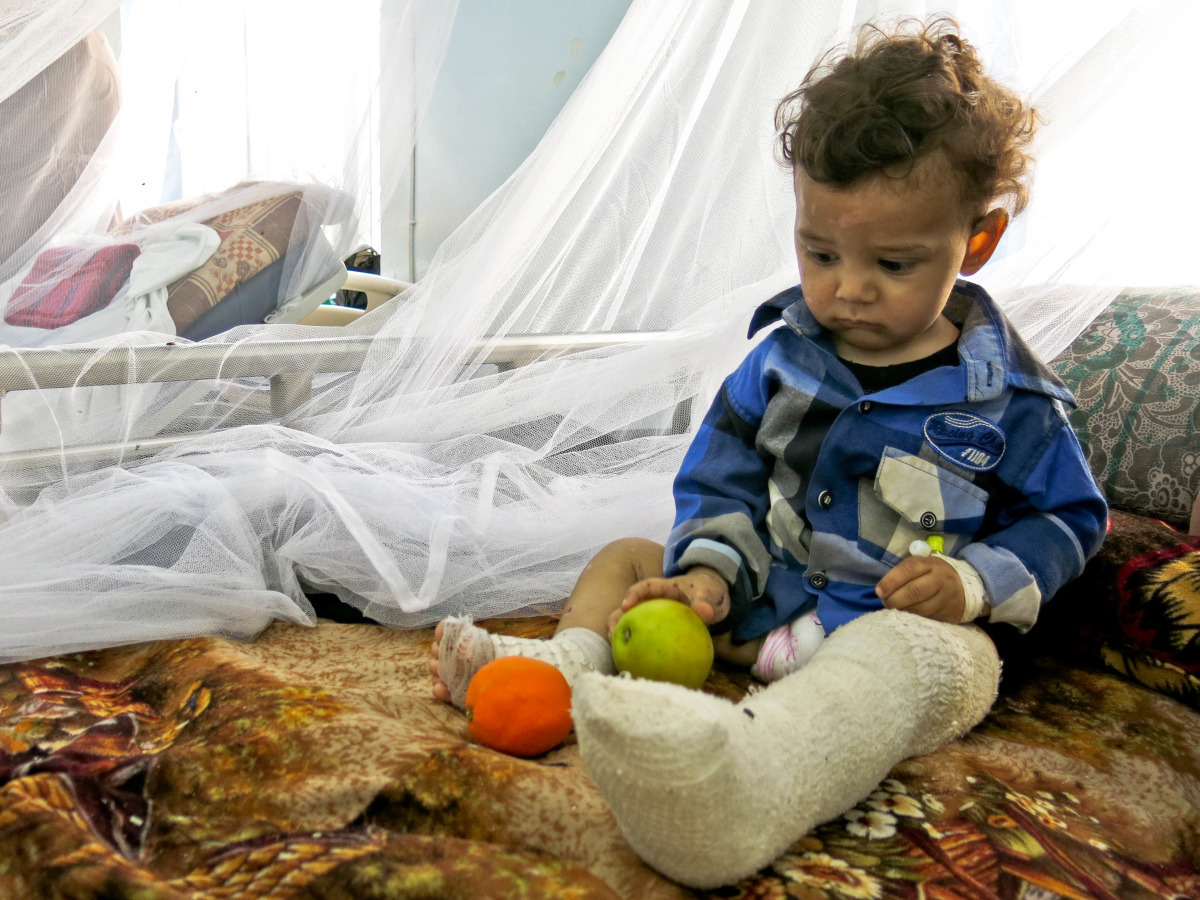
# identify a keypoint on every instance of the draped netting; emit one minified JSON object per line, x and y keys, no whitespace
{"x":426,"y":480}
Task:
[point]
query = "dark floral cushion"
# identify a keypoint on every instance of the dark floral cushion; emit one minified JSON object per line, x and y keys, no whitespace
{"x":1136,"y":375}
{"x":1135,"y":609}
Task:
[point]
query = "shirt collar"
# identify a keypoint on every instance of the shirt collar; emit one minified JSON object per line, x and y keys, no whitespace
{"x":993,"y":352}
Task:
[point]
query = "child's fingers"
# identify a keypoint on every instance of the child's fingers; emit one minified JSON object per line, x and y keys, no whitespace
{"x":940,"y":608}
{"x":708,"y":604}
{"x":911,"y":594}
{"x":716,"y":607}
{"x":703,"y":609}
{"x":901,"y":575}
{"x":919,"y":587}
{"x":653,"y":589}
{"x":707,"y":588}
{"x":927,"y":593}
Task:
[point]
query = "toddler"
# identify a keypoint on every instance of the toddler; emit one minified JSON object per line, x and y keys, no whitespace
{"x":889,"y":463}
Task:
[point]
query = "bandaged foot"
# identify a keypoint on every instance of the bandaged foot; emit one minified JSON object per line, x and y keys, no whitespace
{"x":788,"y":648}
{"x":708,"y":792}
{"x":463,"y":649}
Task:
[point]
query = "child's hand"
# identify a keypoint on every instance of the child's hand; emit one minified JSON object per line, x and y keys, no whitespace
{"x":701,"y":588}
{"x":924,"y":585}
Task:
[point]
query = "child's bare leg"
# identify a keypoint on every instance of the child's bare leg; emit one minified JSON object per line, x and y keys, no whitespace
{"x":605,"y":580}
{"x":580,"y":642}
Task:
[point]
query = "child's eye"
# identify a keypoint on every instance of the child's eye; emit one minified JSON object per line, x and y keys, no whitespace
{"x":896,"y":266}
{"x":820,"y":257}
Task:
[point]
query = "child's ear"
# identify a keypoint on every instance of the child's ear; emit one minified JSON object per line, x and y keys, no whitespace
{"x":985,"y":235}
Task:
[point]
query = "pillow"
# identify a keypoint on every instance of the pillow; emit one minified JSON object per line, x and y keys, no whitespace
{"x":67,"y":283}
{"x":250,"y":302}
{"x":1135,"y":372}
{"x":1135,"y":609}
{"x":252,"y":238}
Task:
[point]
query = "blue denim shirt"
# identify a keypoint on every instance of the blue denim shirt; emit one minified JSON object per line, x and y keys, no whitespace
{"x":803,"y":491}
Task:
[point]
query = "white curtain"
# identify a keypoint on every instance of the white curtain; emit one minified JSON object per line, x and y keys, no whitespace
{"x":158,"y":101}
{"x":289,"y":89}
{"x":431,"y":484}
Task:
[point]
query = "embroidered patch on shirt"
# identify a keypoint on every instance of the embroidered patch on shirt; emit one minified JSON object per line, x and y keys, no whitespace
{"x":965,"y":439}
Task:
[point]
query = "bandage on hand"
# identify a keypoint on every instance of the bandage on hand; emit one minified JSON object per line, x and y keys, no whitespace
{"x":974,"y":594}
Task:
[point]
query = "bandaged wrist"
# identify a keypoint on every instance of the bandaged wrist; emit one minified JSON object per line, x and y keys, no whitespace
{"x":974,"y":594}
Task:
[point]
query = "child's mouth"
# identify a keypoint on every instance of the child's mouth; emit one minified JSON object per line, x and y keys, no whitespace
{"x":856,"y":323}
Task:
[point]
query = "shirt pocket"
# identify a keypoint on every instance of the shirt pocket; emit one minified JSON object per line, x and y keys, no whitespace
{"x":927,"y":496}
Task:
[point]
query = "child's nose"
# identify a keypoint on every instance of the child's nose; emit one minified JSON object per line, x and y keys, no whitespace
{"x":855,"y":287}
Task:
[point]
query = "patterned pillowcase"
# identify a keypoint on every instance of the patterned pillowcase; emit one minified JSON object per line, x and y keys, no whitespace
{"x":252,"y":237}
{"x":1135,"y":372}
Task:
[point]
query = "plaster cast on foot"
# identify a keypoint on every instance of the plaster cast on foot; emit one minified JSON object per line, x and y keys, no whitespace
{"x":708,"y":792}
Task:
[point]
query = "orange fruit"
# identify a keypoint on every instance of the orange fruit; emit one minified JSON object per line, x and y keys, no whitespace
{"x":519,"y":706}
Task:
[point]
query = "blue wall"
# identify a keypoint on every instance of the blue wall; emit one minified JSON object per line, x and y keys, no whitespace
{"x":509,"y":68}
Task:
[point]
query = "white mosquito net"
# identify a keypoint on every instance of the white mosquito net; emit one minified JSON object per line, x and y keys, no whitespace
{"x":401,"y":463}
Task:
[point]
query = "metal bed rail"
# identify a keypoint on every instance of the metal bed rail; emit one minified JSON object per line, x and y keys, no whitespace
{"x":288,"y":364}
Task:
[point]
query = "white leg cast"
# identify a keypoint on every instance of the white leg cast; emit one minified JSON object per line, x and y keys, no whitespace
{"x":708,"y":792}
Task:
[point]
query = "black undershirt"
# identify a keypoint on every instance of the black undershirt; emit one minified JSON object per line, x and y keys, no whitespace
{"x":877,"y":378}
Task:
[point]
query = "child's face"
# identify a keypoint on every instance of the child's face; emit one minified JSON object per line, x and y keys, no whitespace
{"x":878,"y":260}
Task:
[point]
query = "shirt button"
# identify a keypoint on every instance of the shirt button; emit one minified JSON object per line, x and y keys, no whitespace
{"x":865,"y":406}
{"x":928,"y":521}
{"x":818,"y":580}
{"x":825,"y":500}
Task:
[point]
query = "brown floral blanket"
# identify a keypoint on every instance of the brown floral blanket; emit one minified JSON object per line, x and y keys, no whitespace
{"x":312,"y":763}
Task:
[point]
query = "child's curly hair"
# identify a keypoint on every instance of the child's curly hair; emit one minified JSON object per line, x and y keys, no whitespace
{"x":900,"y":96}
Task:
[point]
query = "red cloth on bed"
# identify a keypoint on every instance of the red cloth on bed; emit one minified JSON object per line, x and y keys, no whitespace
{"x":68,"y":283}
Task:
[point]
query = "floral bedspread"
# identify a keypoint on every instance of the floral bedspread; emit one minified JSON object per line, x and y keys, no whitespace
{"x":312,"y":763}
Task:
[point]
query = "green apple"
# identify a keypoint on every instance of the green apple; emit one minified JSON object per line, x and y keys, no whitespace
{"x":663,"y":640}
